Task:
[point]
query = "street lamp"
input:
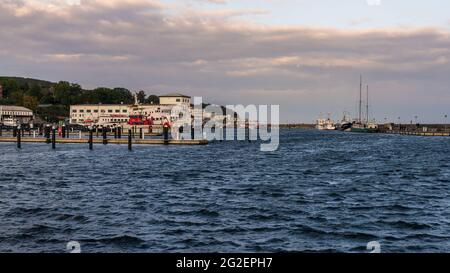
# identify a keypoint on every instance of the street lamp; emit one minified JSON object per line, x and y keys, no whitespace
{"x":445,"y":123}
{"x":417,"y":124}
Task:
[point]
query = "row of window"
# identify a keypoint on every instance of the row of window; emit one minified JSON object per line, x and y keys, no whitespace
{"x":101,"y":111}
{"x":109,"y":120}
{"x":184,"y":100}
{"x":118,"y":111}
{"x":14,"y":113}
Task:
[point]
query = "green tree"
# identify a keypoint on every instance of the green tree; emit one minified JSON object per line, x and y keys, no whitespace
{"x":35,"y":91}
{"x":30,"y":102}
{"x":47,"y":99}
{"x":152,"y":99}
{"x":9,"y":86}
{"x":16,"y":97}
{"x":62,"y":93}
{"x":122,"y":95}
{"x":141,"y":96}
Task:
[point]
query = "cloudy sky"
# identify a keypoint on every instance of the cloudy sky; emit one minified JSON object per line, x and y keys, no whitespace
{"x":305,"y":56}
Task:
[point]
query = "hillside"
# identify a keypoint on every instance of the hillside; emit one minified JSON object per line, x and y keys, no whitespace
{"x":24,"y":81}
{"x":51,"y":101}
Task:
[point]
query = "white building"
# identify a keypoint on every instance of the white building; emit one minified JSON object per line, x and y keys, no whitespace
{"x":174,"y":99}
{"x":12,"y":115}
{"x":119,"y":114}
{"x":89,"y":114}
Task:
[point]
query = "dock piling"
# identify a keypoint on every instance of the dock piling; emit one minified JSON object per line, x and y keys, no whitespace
{"x":105,"y":139}
{"x":53,"y":138}
{"x":129,"y":140}
{"x":91,"y":139}
{"x":166,"y":135}
{"x":19,"y":144}
{"x":47,"y":135}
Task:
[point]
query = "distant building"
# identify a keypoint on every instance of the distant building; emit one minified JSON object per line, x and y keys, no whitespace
{"x":174,"y":99}
{"x":89,"y":114}
{"x":119,"y":114}
{"x":13,"y":115}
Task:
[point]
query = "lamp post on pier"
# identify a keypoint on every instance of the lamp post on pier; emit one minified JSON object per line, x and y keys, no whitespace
{"x":445,"y":123}
{"x":416,"y":120}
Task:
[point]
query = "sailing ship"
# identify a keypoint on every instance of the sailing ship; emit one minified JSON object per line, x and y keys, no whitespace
{"x":364,"y":126}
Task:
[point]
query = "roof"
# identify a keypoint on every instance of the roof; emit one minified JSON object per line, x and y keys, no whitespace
{"x":14,"y":108}
{"x":173,"y":95}
{"x":99,"y":104}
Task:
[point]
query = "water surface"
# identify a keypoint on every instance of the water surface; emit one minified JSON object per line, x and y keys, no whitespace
{"x":320,"y":192}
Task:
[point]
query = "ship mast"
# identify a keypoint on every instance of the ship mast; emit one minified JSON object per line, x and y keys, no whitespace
{"x":367,"y":105}
{"x":360,"y":100}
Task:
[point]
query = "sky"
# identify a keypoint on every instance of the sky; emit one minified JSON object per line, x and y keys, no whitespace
{"x":306,"y":56}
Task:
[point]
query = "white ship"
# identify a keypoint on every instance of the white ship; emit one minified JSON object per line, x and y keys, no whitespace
{"x":11,"y":122}
{"x":325,"y":124}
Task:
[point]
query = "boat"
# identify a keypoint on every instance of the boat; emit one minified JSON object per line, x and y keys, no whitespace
{"x":369,"y":127}
{"x":140,"y":120}
{"x":360,"y":125}
{"x":325,"y":124}
{"x":10,"y":122}
{"x":346,"y":123}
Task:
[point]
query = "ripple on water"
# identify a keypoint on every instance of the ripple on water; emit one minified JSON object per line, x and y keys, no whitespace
{"x":320,"y":192}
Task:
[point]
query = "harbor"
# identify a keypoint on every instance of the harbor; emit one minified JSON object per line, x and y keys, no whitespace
{"x":364,"y":123}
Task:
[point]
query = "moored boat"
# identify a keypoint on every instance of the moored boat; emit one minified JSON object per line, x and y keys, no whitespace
{"x":325,"y":124}
{"x":364,"y":125}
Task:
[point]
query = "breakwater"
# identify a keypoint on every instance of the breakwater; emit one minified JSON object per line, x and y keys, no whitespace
{"x":441,"y":130}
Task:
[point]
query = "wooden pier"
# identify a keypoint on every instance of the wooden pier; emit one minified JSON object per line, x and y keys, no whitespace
{"x":108,"y":141}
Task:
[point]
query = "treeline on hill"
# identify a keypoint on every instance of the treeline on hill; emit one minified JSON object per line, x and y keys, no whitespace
{"x":51,"y":101}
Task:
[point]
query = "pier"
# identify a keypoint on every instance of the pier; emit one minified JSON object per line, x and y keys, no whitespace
{"x":53,"y":136}
{"x":426,"y":130}
{"x":414,"y":133}
{"x":109,"y":141}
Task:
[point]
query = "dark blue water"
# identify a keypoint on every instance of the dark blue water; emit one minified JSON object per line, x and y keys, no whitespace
{"x":321,"y":192}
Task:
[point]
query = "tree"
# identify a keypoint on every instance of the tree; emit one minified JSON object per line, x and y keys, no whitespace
{"x":16,"y":97}
{"x":9,"y":86}
{"x":122,"y":95}
{"x":47,"y":99}
{"x":35,"y":91}
{"x":152,"y":99}
{"x":30,"y":102}
{"x":141,"y":96}
{"x":62,"y":93}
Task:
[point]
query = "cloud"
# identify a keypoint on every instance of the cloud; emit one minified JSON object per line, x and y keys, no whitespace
{"x":214,"y":1}
{"x":143,"y":44}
